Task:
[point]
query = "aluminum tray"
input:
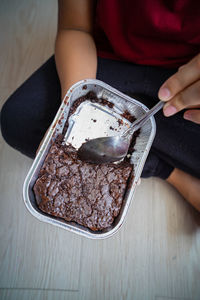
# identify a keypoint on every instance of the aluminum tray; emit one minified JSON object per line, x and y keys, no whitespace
{"x":143,"y":143}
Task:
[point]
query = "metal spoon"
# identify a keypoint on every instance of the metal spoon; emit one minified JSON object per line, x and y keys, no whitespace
{"x":114,"y":148}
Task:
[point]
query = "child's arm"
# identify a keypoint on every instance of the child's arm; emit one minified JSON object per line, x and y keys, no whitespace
{"x":75,"y":51}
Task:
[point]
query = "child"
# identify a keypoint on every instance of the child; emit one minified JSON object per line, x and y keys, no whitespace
{"x":147,"y":49}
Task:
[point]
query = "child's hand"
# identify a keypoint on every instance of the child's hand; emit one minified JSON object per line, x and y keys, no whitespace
{"x":182,"y":91}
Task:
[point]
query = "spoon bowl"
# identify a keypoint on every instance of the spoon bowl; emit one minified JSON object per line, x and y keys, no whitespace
{"x":113,"y":148}
{"x":104,"y":150}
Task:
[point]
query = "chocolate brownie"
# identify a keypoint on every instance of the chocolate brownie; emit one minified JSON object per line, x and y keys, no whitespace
{"x":78,"y":191}
{"x":88,"y":194}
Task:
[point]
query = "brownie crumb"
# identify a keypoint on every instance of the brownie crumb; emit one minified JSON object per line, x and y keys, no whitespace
{"x":128,"y":116}
{"x":120,"y":122}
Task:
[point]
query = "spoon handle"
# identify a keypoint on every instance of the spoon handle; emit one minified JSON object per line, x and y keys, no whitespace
{"x":143,"y":119}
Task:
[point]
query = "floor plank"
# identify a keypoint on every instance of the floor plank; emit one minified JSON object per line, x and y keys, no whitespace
{"x":27,"y":39}
{"x":31,"y":294}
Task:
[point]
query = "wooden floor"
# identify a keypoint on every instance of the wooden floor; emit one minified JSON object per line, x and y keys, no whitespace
{"x":155,"y":255}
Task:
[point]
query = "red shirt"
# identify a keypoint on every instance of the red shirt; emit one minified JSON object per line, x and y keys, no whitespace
{"x":148,"y":32}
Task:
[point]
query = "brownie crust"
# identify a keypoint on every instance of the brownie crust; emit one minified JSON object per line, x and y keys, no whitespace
{"x":88,"y":194}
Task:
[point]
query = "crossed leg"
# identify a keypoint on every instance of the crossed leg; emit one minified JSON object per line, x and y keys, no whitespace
{"x":28,"y":113}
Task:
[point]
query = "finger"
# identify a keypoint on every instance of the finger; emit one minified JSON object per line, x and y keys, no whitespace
{"x":188,"y":98}
{"x":192,"y":115}
{"x":186,"y":75}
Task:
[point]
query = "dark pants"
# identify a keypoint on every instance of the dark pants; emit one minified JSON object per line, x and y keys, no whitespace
{"x":27,"y":114}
